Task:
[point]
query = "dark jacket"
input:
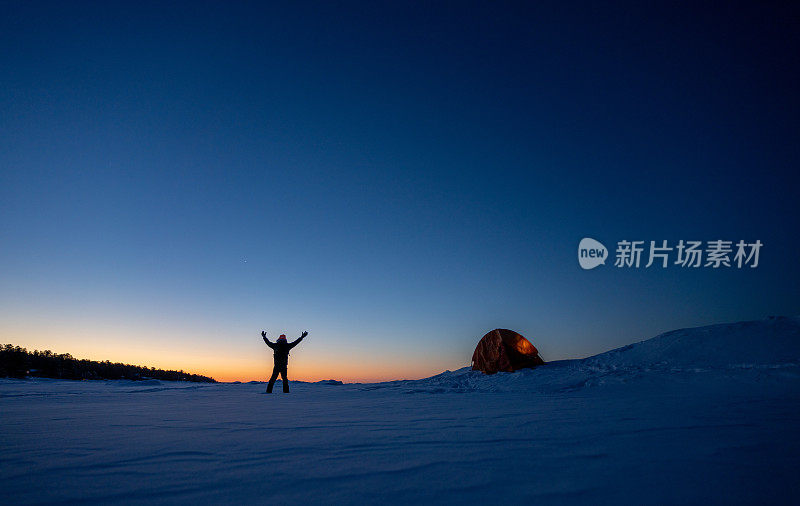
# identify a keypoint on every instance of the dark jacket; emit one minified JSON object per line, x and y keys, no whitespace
{"x":281,"y":349}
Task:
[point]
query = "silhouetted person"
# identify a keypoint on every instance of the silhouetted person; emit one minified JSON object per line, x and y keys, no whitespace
{"x":281,"y":354}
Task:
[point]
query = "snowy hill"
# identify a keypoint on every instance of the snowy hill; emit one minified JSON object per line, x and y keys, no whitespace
{"x":764,"y":344}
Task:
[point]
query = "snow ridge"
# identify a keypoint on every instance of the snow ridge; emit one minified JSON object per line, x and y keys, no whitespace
{"x":755,"y":346}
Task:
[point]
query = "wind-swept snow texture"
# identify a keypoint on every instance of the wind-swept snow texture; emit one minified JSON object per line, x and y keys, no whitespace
{"x":709,"y":415}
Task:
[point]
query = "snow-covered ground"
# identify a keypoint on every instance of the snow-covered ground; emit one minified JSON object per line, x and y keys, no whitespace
{"x":698,"y":416}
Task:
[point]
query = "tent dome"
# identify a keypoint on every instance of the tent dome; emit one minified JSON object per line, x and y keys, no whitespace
{"x":504,"y":350}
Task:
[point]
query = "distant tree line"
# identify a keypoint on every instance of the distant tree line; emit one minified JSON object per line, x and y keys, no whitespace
{"x":16,"y":362}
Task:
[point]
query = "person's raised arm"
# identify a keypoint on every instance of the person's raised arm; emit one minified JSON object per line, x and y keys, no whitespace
{"x":295,"y":343}
{"x":269,"y":343}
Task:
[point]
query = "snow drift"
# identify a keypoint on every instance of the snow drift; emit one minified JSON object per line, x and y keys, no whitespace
{"x":764,"y":344}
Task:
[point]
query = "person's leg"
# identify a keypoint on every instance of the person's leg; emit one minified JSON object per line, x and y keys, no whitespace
{"x":272,"y":379}
{"x":285,"y":381}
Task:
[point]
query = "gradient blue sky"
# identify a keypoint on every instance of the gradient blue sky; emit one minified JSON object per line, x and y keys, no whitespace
{"x":398,"y":178}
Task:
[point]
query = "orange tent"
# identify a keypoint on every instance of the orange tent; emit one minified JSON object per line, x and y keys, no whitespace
{"x":504,"y":350}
